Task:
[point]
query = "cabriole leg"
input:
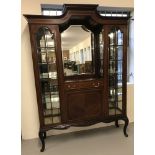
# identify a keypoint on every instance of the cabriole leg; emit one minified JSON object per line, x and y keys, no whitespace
{"x":45,"y":134}
{"x":125,"y":126}
{"x":116,"y":123}
{"x":42,"y":139}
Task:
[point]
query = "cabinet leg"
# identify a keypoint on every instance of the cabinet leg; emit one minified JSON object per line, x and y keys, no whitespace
{"x":42,"y":139}
{"x":45,"y":135}
{"x":116,"y":123}
{"x":125,"y":126}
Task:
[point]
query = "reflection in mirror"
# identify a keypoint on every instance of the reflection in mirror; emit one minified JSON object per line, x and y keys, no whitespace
{"x":77,"y":50}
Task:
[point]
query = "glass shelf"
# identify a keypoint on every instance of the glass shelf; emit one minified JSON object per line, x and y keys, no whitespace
{"x":45,"y":63}
{"x":115,"y":59}
{"x":115,"y":73}
{"x":44,"y":49}
{"x":114,"y":45}
{"x":49,"y":75}
{"x":51,"y":92}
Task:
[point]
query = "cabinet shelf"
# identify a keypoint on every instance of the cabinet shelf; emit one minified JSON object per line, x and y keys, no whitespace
{"x":115,"y":60}
{"x":115,"y":45}
{"x":47,"y":77}
{"x":114,"y":74}
{"x":51,"y":115}
{"x":55,"y":81}
{"x":51,"y":93}
{"x":45,"y":47}
{"x":45,"y":63}
{"x":114,"y":101}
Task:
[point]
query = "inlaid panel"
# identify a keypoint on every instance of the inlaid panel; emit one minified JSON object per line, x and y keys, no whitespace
{"x":84,"y":104}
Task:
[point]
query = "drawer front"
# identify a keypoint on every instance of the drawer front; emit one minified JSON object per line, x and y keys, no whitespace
{"x":97,"y":84}
{"x":71,"y":86}
{"x":83,"y":85}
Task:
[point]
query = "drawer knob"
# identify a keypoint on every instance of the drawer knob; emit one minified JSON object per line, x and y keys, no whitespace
{"x":96,"y":85}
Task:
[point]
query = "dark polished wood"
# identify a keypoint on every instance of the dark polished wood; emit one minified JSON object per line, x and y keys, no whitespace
{"x":84,"y":104}
{"x":125,"y":126}
{"x":42,"y":139}
{"x":78,"y":85}
{"x":116,"y":123}
{"x":84,"y":99}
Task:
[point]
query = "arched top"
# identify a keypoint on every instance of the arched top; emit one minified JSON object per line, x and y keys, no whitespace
{"x":44,"y":37}
{"x":115,"y":36}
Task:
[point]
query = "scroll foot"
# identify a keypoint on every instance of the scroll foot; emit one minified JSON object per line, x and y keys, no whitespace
{"x":125,"y":126}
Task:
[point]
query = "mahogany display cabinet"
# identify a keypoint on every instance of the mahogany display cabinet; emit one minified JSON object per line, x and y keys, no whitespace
{"x":80,"y":68}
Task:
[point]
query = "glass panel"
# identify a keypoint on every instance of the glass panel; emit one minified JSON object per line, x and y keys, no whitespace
{"x":52,"y":120}
{"x":112,"y":36}
{"x":119,"y":37}
{"x":48,"y":75}
{"x":77,"y":50}
{"x":48,"y":120}
{"x":101,"y":41}
{"x":56,"y":119}
{"x":49,"y":39}
{"x":115,"y":71}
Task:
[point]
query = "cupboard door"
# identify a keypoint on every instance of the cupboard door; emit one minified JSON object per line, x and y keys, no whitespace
{"x":46,"y":74}
{"x":84,"y":105}
{"x":116,"y":41}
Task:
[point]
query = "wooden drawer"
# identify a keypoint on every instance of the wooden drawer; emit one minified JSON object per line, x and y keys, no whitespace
{"x":83,"y":85}
{"x":71,"y":86}
{"x":97,"y":84}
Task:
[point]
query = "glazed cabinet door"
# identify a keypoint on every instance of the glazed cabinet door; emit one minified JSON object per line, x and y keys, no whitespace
{"x":45,"y":54}
{"x":116,"y":48}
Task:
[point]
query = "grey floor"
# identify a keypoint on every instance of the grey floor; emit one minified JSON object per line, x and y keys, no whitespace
{"x":100,"y":141}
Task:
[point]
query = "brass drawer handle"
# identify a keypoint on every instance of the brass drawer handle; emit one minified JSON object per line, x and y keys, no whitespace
{"x":71,"y":86}
{"x":96,"y":85}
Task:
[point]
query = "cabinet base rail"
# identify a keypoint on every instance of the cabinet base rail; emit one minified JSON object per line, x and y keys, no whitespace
{"x":42,"y":133}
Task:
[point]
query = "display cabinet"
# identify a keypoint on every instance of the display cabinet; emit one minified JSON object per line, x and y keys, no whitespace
{"x":80,"y":68}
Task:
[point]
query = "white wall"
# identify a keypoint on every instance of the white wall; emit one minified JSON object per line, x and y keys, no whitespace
{"x":29,"y":111}
{"x":131,"y":50}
